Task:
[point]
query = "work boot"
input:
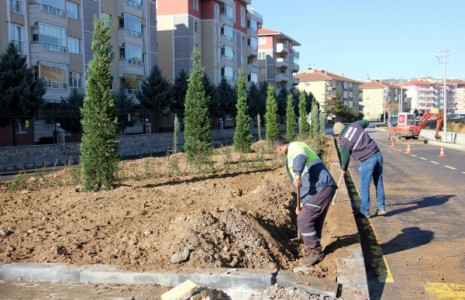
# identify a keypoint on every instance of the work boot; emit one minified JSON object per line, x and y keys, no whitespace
{"x":312,"y":257}
{"x":381,"y":212}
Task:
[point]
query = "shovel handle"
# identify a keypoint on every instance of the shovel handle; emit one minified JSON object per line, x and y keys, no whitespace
{"x":297,"y":203}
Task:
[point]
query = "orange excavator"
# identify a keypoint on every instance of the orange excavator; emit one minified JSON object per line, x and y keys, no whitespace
{"x":404,"y":125}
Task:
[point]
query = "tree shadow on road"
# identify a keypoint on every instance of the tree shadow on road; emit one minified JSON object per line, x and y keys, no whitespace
{"x":422,"y":203}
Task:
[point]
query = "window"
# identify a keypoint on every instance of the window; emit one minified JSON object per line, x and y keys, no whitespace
{"x":196,"y":4}
{"x":228,"y":32}
{"x":253,"y":43}
{"x":253,"y":24}
{"x":254,"y":77}
{"x":54,"y":75}
{"x":218,"y":34}
{"x":134,"y":3}
{"x":262,"y":40}
{"x":105,"y":15}
{"x":20,"y":126}
{"x":133,"y":54}
{"x":217,"y":12}
{"x":74,"y":45}
{"x":15,"y":36}
{"x":242,"y":17}
{"x":228,"y":52}
{"x":228,"y":11}
{"x":75,"y":80}
{"x":52,"y":38}
{"x":16,"y":6}
{"x":196,"y":26}
{"x":261,"y":55}
{"x":56,"y":7}
{"x":132,"y":24}
{"x":72,"y":10}
{"x":228,"y":73}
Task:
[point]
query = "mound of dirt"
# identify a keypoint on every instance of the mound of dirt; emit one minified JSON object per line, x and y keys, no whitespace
{"x":163,"y":215}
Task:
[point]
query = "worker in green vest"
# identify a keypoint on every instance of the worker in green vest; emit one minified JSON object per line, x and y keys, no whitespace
{"x":317,"y":188}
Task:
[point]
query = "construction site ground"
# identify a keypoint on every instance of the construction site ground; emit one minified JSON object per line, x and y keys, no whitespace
{"x":164,"y":215}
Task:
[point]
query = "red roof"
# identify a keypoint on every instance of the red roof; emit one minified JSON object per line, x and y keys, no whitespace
{"x":376,"y":84}
{"x":322,"y":75}
{"x":266,"y":32}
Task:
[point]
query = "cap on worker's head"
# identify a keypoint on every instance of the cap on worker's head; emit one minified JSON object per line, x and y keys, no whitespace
{"x":338,"y":127}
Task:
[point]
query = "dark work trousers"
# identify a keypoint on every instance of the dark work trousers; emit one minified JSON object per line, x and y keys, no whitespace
{"x":312,"y":217}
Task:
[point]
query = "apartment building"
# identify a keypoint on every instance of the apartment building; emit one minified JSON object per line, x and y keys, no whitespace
{"x":426,"y":95}
{"x":325,"y":86}
{"x":56,"y":37}
{"x":224,"y":31}
{"x":381,"y":98}
{"x":278,"y":59}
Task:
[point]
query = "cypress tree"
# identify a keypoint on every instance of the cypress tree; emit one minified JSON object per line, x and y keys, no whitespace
{"x":271,"y":115}
{"x":177,"y":129}
{"x":304,"y":127}
{"x":315,"y":120}
{"x":196,"y":121}
{"x":242,"y":134}
{"x":99,"y":147}
{"x":290,"y":118}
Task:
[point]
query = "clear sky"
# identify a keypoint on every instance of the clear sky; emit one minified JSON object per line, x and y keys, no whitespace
{"x":362,"y":39}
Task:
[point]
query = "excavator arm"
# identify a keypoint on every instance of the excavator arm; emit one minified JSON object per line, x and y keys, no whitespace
{"x":428,"y":116}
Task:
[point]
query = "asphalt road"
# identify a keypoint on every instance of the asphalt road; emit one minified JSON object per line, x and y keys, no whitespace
{"x":422,"y":237}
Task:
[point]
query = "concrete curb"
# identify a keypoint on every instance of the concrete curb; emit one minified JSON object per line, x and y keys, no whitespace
{"x":238,"y":283}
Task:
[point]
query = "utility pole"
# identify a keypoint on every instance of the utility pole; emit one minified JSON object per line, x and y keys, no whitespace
{"x":443,"y":57}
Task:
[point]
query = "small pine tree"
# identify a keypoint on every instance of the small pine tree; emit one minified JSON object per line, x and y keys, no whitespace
{"x":304,"y":127}
{"x":99,"y":147}
{"x":322,"y":123}
{"x":271,"y":115}
{"x":21,"y":94}
{"x":196,"y":121}
{"x":259,"y":126}
{"x":290,"y":118}
{"x":315,"y":120}
{"x":242,"y":134}
{"x":176,"y":134}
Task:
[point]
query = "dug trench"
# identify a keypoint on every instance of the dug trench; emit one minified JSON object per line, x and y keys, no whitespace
{"x":165,"y":215}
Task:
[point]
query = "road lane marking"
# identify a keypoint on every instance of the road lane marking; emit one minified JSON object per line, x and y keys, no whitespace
{"x":445,"y":290}
{"x":414,"y":155}
{"x":423,"y":158}
{"x":449,"y":167}
{"x":434,"y":162}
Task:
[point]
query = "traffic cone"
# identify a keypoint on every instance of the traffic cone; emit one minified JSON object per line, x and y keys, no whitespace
{"x":393,"y":143}
{"x":441,"y":153}
{"x":409,"y":150}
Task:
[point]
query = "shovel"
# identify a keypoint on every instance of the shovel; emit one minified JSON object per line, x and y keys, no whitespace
{"x":297,"y":205}
{"x":338,"y":184}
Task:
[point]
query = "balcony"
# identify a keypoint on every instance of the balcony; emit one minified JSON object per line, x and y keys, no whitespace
{"x":41,"y":13}
{"x":131,"y":67}
{"x":49,"y":52}
{"x":281,"y":62}
{"x":295,"y":67}
{"x":16,"y":6}
{"x":129,"y":6}
{"x":130,"y":36}
{"x":281,"y":77}
{"x":282,"y":48}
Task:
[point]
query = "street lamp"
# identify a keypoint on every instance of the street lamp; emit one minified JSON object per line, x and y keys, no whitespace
{"x":444,"y":60}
